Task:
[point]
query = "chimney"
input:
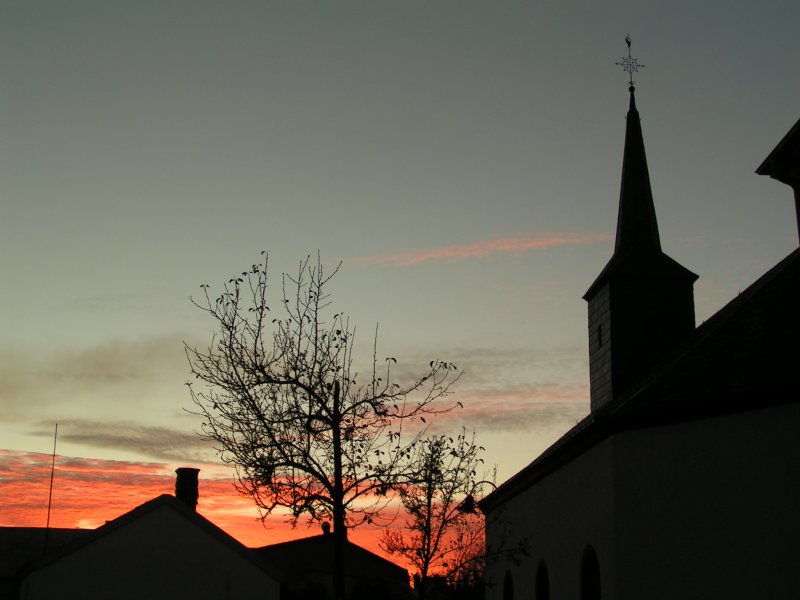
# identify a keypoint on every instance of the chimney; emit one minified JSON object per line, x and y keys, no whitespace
{"x":186,"y":486}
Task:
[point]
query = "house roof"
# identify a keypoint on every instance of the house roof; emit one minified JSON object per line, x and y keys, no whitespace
{"x":743,"y":358}
{"x":315,"y":554}
{"x":140,"y":511}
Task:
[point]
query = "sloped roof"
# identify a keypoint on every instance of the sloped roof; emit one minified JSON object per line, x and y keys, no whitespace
{"x":165,"y":500}
{"x":315,"y":553}
{"x":743,"y":358}
{"x":783,"y":163}
{"x":640,"y":266}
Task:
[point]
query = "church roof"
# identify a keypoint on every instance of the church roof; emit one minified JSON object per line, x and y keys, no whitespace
{"x":783,"y":163}
{"x":637,"y":251}
{"x":743,"y":358}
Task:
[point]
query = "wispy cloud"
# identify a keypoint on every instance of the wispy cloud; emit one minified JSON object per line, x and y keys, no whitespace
{"x":513,"y":390}
{"x":158,"y":442}
{"x":125,"y":395}
{"x":117,"y":369}
{"x":518,"y":411}
{"x":510,"y":245}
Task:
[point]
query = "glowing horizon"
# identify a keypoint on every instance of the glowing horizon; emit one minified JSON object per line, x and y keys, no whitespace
{"x":443,"y":147}
{"x":89,"y":492}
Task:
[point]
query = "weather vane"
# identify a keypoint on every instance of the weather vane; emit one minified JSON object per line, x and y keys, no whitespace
{"x":629,"y":63}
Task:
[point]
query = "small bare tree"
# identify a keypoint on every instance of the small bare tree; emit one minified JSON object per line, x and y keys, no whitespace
{"x":285,"y":405}
{"x":444,"y":534}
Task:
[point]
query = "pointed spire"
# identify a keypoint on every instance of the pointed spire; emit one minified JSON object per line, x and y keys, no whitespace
{"x":641,"y":306}
{"x":637,"y":228}
{"x":637,"y":251}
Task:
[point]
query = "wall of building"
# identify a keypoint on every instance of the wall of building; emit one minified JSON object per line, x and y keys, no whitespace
{"x":711,"y":508}
{"x":639,"y":322}
{"x":648,"y":319}
{"x":600,"y":347}
{"x":559,"y":517}
{"x":160,"y":555}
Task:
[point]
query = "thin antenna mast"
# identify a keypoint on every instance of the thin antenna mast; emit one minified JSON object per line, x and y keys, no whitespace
{"x":50,"y":498}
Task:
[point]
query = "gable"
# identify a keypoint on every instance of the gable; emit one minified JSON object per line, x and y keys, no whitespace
{"x":154,"y":551}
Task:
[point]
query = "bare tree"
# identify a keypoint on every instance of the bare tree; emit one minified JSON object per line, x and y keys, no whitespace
{"x":285,"y":405}
{"x":444,"y":534}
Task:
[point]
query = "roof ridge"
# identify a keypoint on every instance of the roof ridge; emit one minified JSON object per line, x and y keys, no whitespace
{"x":702,"y":333}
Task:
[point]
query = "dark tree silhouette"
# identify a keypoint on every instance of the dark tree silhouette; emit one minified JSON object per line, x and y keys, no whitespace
{"x":285,"y":406}
{"x":444,"y":534}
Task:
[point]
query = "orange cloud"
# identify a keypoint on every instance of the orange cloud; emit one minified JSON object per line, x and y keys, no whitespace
{"x":510,"y":245}
{"x":89,"y":492}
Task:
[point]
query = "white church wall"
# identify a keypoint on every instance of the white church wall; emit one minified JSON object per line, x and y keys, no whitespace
{"x":559,"y":517}
{"x":710,"y":508}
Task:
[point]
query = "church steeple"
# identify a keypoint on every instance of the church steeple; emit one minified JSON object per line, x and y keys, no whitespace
{"x":637,"y":228}
{"x":641,"y":305}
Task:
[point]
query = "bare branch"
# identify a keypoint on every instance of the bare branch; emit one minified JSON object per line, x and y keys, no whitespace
{"x":280,"y":398}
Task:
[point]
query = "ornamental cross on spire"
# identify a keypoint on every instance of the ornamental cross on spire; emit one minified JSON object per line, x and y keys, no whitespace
{"x":629,"y":63}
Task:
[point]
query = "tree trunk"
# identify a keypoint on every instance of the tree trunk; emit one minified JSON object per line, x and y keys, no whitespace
{"x":339,"y":532}
{"x":427,"y":532}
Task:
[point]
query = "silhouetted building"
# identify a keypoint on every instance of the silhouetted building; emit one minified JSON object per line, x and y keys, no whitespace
{"x":161,"y":549}
{"x":682,"y":481}
{"x":165,"y":549}
{"x":783,"y":164}
{"x":641,"y":305}
{"x":307,"y":564}
{"x":19,"y":545}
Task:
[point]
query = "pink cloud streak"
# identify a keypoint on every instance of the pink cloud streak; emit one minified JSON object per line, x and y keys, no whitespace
{"x":511,"y":245}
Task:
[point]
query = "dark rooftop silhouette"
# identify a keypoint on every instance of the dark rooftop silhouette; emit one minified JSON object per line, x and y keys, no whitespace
{"x":783,"y":164}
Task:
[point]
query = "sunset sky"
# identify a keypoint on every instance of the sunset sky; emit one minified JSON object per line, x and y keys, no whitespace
{"x":461,"y":158}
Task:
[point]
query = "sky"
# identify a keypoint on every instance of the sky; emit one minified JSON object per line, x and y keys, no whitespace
{"x":461,"y":159}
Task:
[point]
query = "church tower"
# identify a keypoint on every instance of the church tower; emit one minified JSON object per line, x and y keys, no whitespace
{"x":642,"y":303}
